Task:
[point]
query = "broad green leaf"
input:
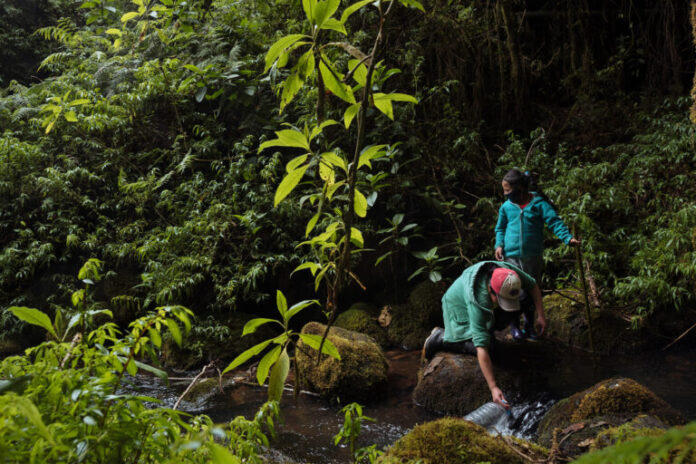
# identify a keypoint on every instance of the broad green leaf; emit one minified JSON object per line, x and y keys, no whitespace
{"x":279,"y":373}
{"x":323,"y":10}
{"x":314,"y":341}
{"x":359,"y":73}
{"x":287,"y":138}
{"x":113,"y":31}
{"x":248,"y":354}
{"x":79,"y":102}
{"x":131,"y":368}
{"x":326,"y":172}
{"x":27,"y":408}
{"x":70,"y":116}
{"x":78,"y":297}
{"x":308,"y":7}
{"x":353,"y":8}
{"x":316,"y":130}
{"x":369,"y":153}
{"x":281,"y":303}
{"x":401,"y":97}
{"x":295,"y":162}
{"x":350,"y":114}
{"x":34,"y":317}
{"x":297,"y":307}
{"x":174,"y":331}
{"x":334,"y":24}
{"x":279,"y":47}
{"x":251,"y":326}
{"x":291,"y":86}
{"x":332,"y":189}
{"x":332,"y":158}
{"x":155,"y":337}
{"x":288,"y":184}
{"x":310,"y":225}
{"x":413,"y":4}
{"x":306,"y":65}
{"x":384,"y":104}
{"x":266,"y":363}
{"x":360,"y":204}
{"x":332,"y":83}
{"x":128,"y":16}
{"x":313,"y":267}
{"x":356,"y":237}
{"x":221,"y":455}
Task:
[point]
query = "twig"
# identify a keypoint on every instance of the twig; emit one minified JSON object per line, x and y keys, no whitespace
{"x":176,"y":405}
{"x":512,"y":446}
{"x":76,"y":339}
{"x":676,"y":339}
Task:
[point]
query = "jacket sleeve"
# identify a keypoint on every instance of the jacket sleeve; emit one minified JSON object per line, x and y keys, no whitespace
{"x":500,"y":228}
{"x":555,"y":223}
{"x":479,"y":332}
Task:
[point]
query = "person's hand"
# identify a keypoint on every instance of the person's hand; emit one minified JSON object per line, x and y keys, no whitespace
{"x":498,"y":397}
{"x":540,"y":325}
{"x":499,"y":254}
{"x":574,"y":242}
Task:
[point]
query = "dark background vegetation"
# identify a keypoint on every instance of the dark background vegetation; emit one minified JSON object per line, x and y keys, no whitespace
{"x":160,"y":177}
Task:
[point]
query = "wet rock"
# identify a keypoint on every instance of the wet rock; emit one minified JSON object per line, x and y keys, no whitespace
{"x":454,"y":384}
{"x":457,"y":441}
{"x":361,"y":321}
{"x":412,"y":322}
{"x":567,"y":324}
{"x":360,"y":375}
{"x":577,"y":420}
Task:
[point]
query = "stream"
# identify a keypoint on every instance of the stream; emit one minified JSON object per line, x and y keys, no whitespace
{"x":309,"y":424}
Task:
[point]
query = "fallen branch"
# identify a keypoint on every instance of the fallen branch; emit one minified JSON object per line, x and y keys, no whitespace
{"x":679,"y":337}
{"x":76,"y":339}
{"x":195,"y":379}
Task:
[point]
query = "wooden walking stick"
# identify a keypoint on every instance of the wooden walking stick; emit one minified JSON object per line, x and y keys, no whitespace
{"x":581,"y":269}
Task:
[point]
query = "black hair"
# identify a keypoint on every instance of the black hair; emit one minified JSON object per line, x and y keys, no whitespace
{"x":527,"y":181}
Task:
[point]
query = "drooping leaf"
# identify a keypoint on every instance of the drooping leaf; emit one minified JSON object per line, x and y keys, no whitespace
{"x":350,"y":114}
{"x":332,"y":83}
{"x":248,"y":354}
{"x":279,"y":47}
{"x":353,"y":8}
{"x":295,"y":162}
{"x":266,"y":363}
{"x":251,"y":326}
{"x":297,"y":307}
{"x":356,"y":237}
{"x":360,"y":204}
{"x":287,"y":138}
{"x":328,"y":348}
{"x":128,"y":16}
{"x":288,"y":183}
{"x":279,"y":373}
{"x":221,"y":455}
{"x":174,"y":331}
{"x":34,"y":317}
{"x":334,"y":159}
{"x":310,"y":225}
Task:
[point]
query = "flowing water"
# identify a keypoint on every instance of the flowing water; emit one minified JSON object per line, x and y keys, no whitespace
{"x":309,"y":423}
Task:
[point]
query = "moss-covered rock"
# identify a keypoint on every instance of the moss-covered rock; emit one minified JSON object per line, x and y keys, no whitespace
{"x":360,"y":375}
{"x":412,"y":322}
{"x":607,"y":404}
{"x":361,"y":321}
{"x":641,"y":426}
{"x":611,"y":334}
{"x":456,"y":441}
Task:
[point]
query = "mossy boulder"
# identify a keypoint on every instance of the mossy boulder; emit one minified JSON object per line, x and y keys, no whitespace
{"x":361,"y":321}
{"x":611,"y":334}
{"x":456,"y":441}
{"x":640,"y":426}
{"x":412,"y":322}
{"x":360,"y":375}
{"x":610,"y":403}
{"x":454,"y":384}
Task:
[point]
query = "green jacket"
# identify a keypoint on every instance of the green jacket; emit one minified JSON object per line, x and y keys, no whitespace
{"x":467,"y":308}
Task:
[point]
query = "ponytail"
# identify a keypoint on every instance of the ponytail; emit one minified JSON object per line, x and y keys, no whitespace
{"x":533,"y":186}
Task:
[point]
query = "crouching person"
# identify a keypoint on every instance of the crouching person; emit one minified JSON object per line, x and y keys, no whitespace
{"x":483,"y":299}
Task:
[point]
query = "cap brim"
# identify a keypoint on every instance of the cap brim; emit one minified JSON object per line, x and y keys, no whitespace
{"x":509,"y":304}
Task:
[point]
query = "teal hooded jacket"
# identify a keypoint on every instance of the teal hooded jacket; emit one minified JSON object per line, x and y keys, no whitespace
{"x":520,"y":231}
{"x":467,"y":308}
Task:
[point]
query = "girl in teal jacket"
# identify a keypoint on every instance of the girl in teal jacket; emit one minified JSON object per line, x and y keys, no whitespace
{"x":519,"y":234}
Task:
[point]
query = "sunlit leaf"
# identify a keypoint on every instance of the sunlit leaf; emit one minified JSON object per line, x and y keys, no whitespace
{"x":328,"y":348}
{"x":360,"y":204}
{"x":251,"y":326}
{"x":332,"y":83}
{"x":279,"y":373}
{"x":246,"y":355}
{"x":288,"y":184}
{"x":266,"y":363}
{"x":34,"y":317}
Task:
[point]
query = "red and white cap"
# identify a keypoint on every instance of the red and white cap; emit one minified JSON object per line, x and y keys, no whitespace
{"x":506,"y":284}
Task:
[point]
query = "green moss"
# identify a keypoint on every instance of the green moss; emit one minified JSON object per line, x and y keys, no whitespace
{"x":426,"y":300}
{"x":371,"y":309}
{"x":407,"y":329}
{"x":361,"y":321}
{"x":638,"y":427}
{"x":359,"y":375}
{"x":622,"y":396}
{"x":456,"y":441}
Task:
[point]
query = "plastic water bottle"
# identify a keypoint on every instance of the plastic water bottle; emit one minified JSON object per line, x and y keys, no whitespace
{"x":489,"y":416}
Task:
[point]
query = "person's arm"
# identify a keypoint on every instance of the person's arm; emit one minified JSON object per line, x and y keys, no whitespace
{"x":539,"y":305}
{"x":556,"y":224}
{"x":500,"y":234}
{"x":486,"y":366}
